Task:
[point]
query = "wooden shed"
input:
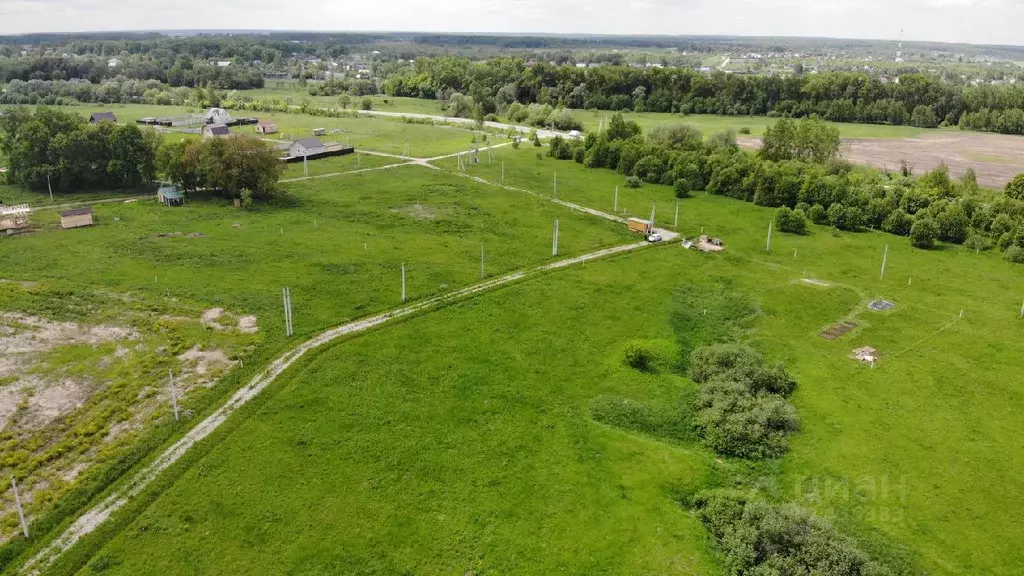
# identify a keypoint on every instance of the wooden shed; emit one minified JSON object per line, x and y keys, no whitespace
{"x":98,"y":117}
{"x":215,"y":131}
{"x":266,"y":127}
{"x":76,"y":218}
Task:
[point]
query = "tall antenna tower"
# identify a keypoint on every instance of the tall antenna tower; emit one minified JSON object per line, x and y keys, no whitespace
{"x":899,"y":49}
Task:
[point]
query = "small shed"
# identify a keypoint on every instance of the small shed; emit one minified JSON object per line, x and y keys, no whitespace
{"x":14,"y":219}
{"x":170,"y":196}
{"x":867,"y":354}
{"x":76,"y":218}
{"x":306,"y":147}
{"x":215,"y":131}
{"x":319,"y":131}
{"x":266,"y":127}
{"x":98,"y":117}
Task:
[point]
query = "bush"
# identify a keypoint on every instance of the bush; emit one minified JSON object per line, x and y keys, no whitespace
{"x":515,"y":143}
{"x":898,"y":222}
{"x":761,"y":538}
{"x":633,"y":182}
{"x":954,"y":224}
{"x":367,"y":104}
{"x":745,"y":130}
{"x":734,"y":422}
{"x":1015,"y":187}
{"x":639,"y":356}
{"x":817,"y":214}
{"x":682,"y":188}
{"x":923,"y":233}
{"x":739,"y":364}
{"x":978,"y":242}
{"x":1014,"y":254}
{"x":792,"y":221}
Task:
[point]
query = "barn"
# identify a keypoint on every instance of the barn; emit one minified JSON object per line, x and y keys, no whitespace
{"x":76,"y":218}
{"x":306,"y":147}
{"x":215,"y":131}
{"x":98,"y":117}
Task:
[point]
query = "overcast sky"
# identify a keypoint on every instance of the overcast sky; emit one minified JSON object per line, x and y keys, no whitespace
{"x":974,"y":21}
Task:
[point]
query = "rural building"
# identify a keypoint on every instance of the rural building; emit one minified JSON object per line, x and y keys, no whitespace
{"x":98,"y":117}
{"x":266,"y":127}
{"x":319,"y":131}
{"x":14,"y":219}
{"x":170,"y":196}
{"x":76,"y":218}
{"x":306,"y":147}
{"x":215,"y":130}
{"x":218,"y":116}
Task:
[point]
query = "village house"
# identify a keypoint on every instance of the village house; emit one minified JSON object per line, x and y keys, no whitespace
{"x":306,"y":147}
{"x":215,"y":131}
{"x":266,"y":127}
{"x":98,"y":117}
{"x":76,"y":218}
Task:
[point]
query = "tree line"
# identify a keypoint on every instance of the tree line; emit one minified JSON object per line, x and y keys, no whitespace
{"x":797,"y":171}
{"x":920,"y":100}
{"x":50,"y":149}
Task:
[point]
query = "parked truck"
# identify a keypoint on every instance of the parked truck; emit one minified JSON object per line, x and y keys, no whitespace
{"x":638,"y":225}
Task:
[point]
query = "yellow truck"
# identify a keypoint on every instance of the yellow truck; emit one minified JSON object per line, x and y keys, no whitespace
{"x":639,"y":225}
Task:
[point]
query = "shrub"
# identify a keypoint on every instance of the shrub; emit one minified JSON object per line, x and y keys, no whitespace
{"x":843,"y":218}
{"x":898,"y":222}
{"x":745,"y":130}
{"x":1014,"y":254}
{"x":792,"y":221}
{"x":739,"y":364}
{"x":953,"y":224}
{"x":682,"y":188}
{"x":923,"y":233}
{"x":633,"y":182}
{"x":736,"y":423}
{"x":639,"y":356}
{"x":367,"y":104}
{"x":515,"y":143}
{"x":761,"y":538}
{"x":1015,"y":187}
{"x":536,"y":138}
{"x":817,"y":214}
{"x":978,"y":242}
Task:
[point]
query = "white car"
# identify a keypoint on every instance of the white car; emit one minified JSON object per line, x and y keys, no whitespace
{"x":654,"y":237}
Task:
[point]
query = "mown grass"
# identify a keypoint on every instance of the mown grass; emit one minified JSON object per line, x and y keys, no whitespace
{"x":464,"y":440}
{"x":338,"y":165}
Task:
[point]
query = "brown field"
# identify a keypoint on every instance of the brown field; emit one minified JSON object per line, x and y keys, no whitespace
{"x":995,"y":158}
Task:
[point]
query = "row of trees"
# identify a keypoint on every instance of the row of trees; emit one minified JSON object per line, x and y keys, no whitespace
{"x":61,"y":150}
{"x":50,"y":148}
{"x":916,"y":99}
{"x":180,"y":70}
{"x":797,"y":169}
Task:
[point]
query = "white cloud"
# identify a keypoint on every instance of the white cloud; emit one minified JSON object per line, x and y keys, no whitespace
{"x":976,"y":21}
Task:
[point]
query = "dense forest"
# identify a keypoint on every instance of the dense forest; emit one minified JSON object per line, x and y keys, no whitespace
{"x":915,"y":99}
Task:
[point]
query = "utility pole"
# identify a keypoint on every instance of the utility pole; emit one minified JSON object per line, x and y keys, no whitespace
{"x":885,"y":258}
{"x":286,"y":293}
{"x":556,"y":185}
{"x":17,"y":504}
{"x":616,"y":209}
{"x":502,"y":171}
{"x":676,"y":224}
{"x":403,"y":281}
{"x":174,"y":395}
{"x":768,"y":246}
{"x":653,"y":208}
{"x":48,"y":187}
{"x":305,"y":165}
{"x":554,"y":244}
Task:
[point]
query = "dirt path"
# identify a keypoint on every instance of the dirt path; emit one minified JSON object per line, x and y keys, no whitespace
{"x":94,"y":517}
{"x":91,"y":202}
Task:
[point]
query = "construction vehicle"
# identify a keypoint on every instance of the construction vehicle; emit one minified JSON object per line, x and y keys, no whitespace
{"x":639,"y":225}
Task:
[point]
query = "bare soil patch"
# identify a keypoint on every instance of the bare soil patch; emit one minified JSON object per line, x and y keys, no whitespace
{"x":996,"y":158}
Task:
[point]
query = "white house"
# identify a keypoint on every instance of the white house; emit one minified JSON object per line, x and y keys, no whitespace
{"x":306,"y":147}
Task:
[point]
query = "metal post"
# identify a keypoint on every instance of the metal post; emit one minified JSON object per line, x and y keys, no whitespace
{"x":1022,"y":311}
{"x":403,"y":281}
{"x":358,"y":156}
{"x":885,"y":258}
{"x":50,"y":188}
{"x":502,"y":171}
{"x":676,"y":224}
{"x":174,"y":395}
{"x":305,"y":165}
{"x":768,"y":245}
{"x":653,"y":208}
{"x":616,"y":209}
{"x":556,"y":185}
{"x":554,"y":243}
{"x":291,"y":323}
{"x":17,"y":504}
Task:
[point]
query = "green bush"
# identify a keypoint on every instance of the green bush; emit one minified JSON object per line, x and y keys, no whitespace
{"x":367,"y":104}
{"x":760,"y":538}
{"x":740,"y":364}
{"x":978,"y":242}
{"x":734,"y":422}
{"x":633,"y":182}
{"x":639,"y":356}
{"x":923,"y":233}
{"x":744,"y":130}
{"x":817,"y":214}
{"x":898,"y":222}
{"x":792,"y":221}
{"x":1014,"y":254}
{"x":682,"y":188}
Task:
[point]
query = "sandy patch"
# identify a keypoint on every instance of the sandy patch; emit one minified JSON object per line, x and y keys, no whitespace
{"x":30,"y":334}
{"x":51,"y":401}
{"x":247,"y":325}
{"x":205,"y":362}
{"x":814,"y":282}
{"x":210,"y":318}
{"x":417,"y":211}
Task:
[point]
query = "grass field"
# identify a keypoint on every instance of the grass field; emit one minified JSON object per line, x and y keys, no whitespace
{"x":469,"y":440}
{"x":338,"y":165}
{"x":461,"y":440}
